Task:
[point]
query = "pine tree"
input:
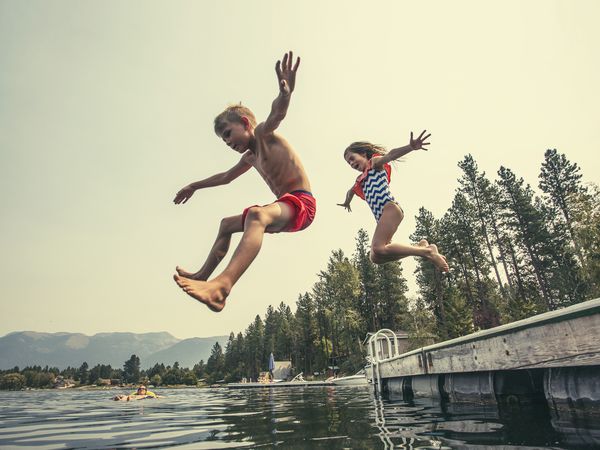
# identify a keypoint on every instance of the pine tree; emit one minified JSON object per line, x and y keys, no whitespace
{"x":561,"y":181}
{"x":567,"y":283}
{"x":462,"y":232}
{"x":231,"y":359}
{"x":256,"y":359}
{"x":272,"y":319}
{"x":339,"y":287}
{"x":391,"y":292}
{"x":323,"y":314}
{"x":240,"y":347}
{"x":478,"y":189}
{"x":306,"y":334}
{"x":367,"y":300}
{"x":421,"y":324}
{"x":586,"y":219}
{"x":215,"y":366}
{"x":428,"y":277}
{"x":83,"y":374}
{"x":131,"y":369}
{"x":284,"y":344}
{"x":528,"y":231}
{"x":459,"y":322}
{"x":523,"y":294}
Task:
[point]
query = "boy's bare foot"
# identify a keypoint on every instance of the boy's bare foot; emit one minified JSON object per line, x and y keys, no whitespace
{"x":438,"y":259}
{"x":212,"y":294}
{"x":186,"y":274}
{"x":423,"y":243}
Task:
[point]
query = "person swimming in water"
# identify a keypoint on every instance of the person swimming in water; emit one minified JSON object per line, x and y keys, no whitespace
{"x":141,"y":393}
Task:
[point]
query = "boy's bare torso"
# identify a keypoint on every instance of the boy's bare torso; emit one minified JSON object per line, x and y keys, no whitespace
{"x":277,"y":162}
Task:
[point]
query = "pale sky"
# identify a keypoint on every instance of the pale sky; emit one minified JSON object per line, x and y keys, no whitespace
{"x":106,"y":111}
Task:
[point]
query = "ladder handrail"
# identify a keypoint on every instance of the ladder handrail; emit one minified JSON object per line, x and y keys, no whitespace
{"x":393,"y":350}
{"x":374,"y":354}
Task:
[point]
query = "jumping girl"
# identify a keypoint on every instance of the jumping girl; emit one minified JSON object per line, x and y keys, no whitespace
{"x":372,"y":185}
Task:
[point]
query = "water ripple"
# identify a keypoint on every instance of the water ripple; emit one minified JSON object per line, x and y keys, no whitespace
{"x":311,"y":418}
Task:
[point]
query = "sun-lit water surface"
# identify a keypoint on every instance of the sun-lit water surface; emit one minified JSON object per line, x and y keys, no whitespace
{"x":303,"y":418}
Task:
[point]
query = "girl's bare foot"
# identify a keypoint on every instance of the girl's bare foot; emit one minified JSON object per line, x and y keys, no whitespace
{"x":186,"y":274}
{"x":438,"y":259}
{"x":212,"y":293}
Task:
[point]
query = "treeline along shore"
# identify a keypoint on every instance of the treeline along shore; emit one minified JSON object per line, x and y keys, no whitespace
{"x":514,"y":251}
{"x":38,"y":377}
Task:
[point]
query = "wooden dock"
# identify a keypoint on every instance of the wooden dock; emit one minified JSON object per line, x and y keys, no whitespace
{"x":555,"y":355}
{"x":563,"y":338}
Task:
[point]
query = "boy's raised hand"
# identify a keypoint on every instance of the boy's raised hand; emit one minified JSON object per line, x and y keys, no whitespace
{"x":420,"y":142}
{"x":286,"y":74}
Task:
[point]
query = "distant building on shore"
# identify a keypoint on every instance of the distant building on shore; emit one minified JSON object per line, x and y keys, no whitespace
{"x":61,"y":382}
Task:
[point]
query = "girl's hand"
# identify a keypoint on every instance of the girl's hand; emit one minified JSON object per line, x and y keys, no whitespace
{"x":420,"y":142}
{"x":184,"y":195}
{"x":345,"y":205}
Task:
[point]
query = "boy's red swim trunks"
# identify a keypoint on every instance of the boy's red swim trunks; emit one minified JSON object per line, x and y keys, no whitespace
{"x":304,"y":204}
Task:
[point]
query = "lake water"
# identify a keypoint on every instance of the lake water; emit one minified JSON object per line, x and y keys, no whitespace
{"x":299,"y":418}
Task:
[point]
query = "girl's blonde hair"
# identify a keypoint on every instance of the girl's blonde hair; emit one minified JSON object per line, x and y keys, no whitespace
{"x":366,"y":149}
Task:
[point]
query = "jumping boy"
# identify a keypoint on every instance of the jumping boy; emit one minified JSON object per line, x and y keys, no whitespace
{"x":279,"y":165}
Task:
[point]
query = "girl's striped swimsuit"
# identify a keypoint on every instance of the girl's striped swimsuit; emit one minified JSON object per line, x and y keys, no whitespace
{"x":373,"y":186}
{"x":376,"y":189}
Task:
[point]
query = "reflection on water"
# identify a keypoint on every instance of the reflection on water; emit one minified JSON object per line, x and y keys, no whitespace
{"x":302,"y":418}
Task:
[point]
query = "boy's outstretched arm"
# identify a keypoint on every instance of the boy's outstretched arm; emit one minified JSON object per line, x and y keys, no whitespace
{"x":286,"y":75}
{"x":415,"y":144}
{"x":216,"y":180}
{"x":349,"y":197}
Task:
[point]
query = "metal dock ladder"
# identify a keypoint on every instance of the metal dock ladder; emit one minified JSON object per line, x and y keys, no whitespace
{"x":382,"y":346}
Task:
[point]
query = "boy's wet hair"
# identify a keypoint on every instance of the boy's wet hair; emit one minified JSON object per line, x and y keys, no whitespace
{"x":366,"y":149}
{"x":233,"y":113}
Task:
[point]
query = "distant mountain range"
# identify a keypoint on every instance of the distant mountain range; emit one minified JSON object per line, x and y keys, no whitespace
{"x":27,"y":348}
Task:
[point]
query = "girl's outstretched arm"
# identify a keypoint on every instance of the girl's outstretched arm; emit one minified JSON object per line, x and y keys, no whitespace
{"x":349,"y":197}
{"x":419,"y":143}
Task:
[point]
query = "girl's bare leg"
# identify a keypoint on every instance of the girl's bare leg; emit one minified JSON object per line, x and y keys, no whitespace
{"x":384,"y":250}
{"x":228,"y":226}
{"x":213,"y":293}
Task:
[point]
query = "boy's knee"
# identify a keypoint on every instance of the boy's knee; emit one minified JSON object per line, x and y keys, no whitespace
{"x":256,"y":214}
{"x":228,"y":225}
